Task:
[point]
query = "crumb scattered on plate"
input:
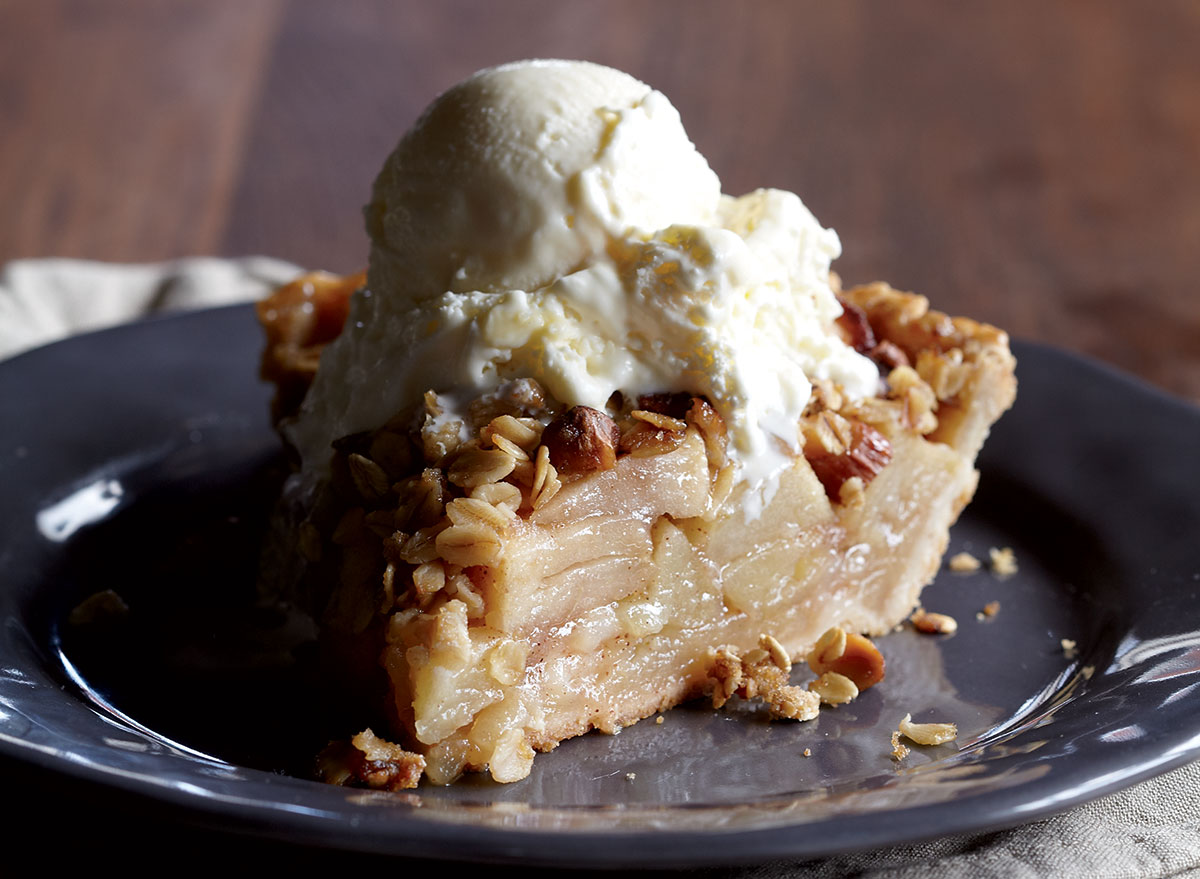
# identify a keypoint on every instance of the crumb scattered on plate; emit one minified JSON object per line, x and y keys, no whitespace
{"x":964,"y":563}
{"x":1003,"y":561}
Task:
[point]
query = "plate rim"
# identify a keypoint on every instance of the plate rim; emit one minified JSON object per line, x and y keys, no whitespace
{"x":612,"y":848}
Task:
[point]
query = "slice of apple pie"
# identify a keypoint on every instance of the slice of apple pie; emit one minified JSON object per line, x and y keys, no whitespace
{"x":525,"y":571}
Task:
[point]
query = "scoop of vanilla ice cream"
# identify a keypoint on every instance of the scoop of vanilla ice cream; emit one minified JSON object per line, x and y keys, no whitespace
{"x":521,"y":173}
{"x":551,"y":219}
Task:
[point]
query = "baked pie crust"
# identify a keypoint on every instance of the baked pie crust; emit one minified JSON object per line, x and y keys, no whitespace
{"x":566,"y":570}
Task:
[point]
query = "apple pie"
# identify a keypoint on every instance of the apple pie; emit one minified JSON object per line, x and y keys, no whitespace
{"x":524,"y":571}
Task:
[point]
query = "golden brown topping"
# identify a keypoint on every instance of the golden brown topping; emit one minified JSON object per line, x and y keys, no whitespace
{"x":778,"y":654}
{"x":429,"y":578}
{"x":917,"y":398}
{"x":472,"y":543}
{"x":1004,"y":561}
{"x":834,"y":688}
{"x":524,"y":433}
{"x":545,"y":483}
{"x":300,"y":318}
{"x":500,"y":494}
{"x":933,"y":623}
{"x":759,"y":675}
{"x":422,"y":499}
{"x":711,"y":425}
{"x":839,"y":448}
{"x":854,"y":328}
{"x":480,"y":467}
{"x":928,"y":733}
{"x":581,"y":440}
{"x":520,"y":397}
{"x":847,"y":654}
{"x":888,"y":355}
{"x":964,"y":563}
{"x":369,"y":761}
{"x":468,"y":510}
{"x":643,"y":440}
{"x":674,"y":405}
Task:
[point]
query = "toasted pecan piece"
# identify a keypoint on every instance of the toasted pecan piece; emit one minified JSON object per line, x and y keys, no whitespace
{"x":582,"y":440}
{"x":839,"y":448}
{"x":848,"y":654}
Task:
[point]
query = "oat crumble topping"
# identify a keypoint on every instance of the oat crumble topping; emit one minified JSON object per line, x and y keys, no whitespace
{"x":1003,"y":560}
{"x":927,"y":733}
{"x":963,"y":563}
{"x":933,"y":623}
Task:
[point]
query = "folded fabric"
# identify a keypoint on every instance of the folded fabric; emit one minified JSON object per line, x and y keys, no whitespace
{"x":42,"y":300}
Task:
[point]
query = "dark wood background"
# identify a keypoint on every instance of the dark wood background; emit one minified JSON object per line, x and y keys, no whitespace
{"x":1034,"y":164}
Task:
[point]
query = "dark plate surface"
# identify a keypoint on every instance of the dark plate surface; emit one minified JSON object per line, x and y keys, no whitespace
{"x":140,"y":460}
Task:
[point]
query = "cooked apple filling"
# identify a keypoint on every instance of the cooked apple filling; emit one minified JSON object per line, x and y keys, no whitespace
{"x":526,"y":572}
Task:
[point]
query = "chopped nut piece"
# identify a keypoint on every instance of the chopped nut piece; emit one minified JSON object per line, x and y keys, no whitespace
{"x":848,"y":654}
{"x":899,"y":751}
{"x":928,"y":733}
{"x":888,"y":355}
{"x":933,"y":623}
{"x":659,"y":720}
{"x":582,"y":440}
{"x":854,"y":328}
{"x":839,"y":448}
{"x":834,"y":689}
{"x":964,"y":563}
{"x":808,"y":752}
{"x":1069,"y":648}
{"x":991,"y":608}
{"x":1004,"y":561}
{"x":675,"y":405}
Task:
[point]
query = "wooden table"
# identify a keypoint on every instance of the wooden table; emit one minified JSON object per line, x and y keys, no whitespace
{"x":1033,"y":164}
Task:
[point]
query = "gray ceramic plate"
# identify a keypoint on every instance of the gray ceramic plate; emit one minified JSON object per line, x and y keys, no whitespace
{"x":140,"y":459}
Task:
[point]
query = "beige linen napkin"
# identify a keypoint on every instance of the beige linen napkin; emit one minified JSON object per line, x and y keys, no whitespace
{"x":42,"y":300}
{"x":1149,"y":830}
